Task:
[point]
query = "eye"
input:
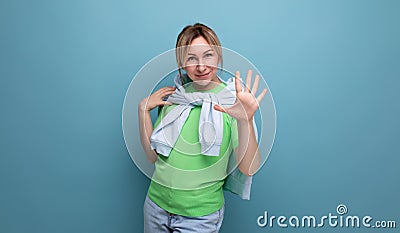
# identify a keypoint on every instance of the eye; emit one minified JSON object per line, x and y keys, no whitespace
{"x":209,"y":55}
{"x":191,"y":58}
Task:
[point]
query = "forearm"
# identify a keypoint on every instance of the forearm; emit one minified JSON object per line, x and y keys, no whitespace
{"x":145,"y":131}
{"x":247,"y":153}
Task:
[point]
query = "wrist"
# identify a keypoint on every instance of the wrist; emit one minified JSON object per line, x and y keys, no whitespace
{"x":245,"y":121}
{"x":142,"y":108}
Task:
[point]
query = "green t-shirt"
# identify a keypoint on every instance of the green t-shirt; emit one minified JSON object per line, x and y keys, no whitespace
{"x":187,"y":182}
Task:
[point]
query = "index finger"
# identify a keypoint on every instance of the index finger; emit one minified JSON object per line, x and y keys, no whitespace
{"x":238,"y":83}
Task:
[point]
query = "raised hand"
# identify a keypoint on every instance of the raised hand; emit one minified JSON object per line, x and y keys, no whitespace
{"x":246,"y":103}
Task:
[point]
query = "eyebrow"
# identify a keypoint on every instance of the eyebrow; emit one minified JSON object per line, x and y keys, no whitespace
{"x":203,"y":53}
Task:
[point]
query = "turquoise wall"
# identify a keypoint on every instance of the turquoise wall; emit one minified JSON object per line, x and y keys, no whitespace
{"x":333,"y":68}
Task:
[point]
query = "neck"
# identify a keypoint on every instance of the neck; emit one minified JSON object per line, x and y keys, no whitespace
{"x":206,"y":85}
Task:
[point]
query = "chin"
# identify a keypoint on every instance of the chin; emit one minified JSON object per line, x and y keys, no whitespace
{"x":202,"y":82}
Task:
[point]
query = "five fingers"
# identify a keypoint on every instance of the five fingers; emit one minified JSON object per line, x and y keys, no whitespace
{"x":247,"y":85}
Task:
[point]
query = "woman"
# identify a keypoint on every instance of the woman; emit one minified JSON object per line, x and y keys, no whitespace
{"x":202,"y":122}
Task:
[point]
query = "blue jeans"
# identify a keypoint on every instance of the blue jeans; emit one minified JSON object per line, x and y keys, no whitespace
{"x":157,"y":220}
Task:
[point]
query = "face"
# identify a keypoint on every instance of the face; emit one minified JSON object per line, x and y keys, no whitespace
{"x":201,"y":64}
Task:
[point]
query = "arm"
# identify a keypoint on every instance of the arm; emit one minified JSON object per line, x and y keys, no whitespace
{"x":247,"y":153}
{"x":145,"y":124}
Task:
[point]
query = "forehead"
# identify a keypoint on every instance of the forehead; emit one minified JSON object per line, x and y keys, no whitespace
{"x":199,"y":45}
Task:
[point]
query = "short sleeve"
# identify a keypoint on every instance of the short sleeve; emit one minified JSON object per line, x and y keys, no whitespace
{"x":164,"y":110}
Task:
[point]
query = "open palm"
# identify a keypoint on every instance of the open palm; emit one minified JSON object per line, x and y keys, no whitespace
{"x":246,"y":103}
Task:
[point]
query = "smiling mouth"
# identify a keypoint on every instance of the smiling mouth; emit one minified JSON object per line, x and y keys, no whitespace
{"x":202,"y":76}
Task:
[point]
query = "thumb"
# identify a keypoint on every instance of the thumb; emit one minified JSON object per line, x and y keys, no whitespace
{"x":219,"y":108}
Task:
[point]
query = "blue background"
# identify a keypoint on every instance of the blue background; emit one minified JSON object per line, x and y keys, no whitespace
{"x":332,"y":67}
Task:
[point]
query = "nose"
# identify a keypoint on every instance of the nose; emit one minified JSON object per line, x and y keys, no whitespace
{"x":201,"y":67}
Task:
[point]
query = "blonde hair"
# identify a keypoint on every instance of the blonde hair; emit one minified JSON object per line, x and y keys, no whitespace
{"x":185,"y":38}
